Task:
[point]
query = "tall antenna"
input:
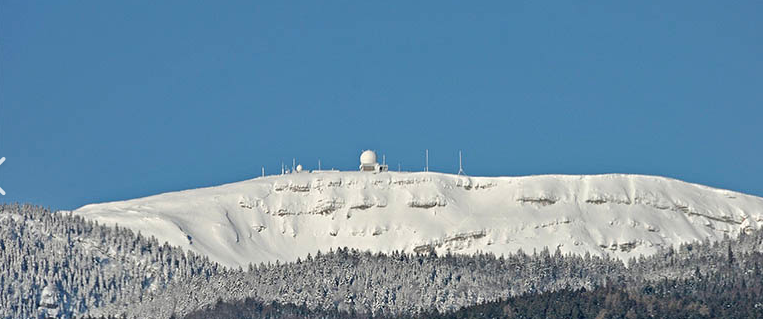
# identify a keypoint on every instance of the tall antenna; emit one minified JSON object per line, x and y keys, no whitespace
{"x":384,"y":159}
{"x":319,"y":164}
{"x":2,"y":192}
{"x":398,"y":167}
{"x":460,"y":165}
{"x":282,"y":168}
{"x":426,"y":160}
{"x":293,"y":163}
{"x":263,"y":171}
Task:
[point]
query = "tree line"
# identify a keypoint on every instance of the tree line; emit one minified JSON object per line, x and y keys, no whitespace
{"x":62,"y":266}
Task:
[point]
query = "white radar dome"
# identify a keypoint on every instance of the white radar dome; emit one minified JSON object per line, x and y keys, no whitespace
{"x":299,"y":168}
{"x":368,"y":157}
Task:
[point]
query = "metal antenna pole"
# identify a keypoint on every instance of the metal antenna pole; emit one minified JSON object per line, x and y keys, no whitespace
{"x":460,"y":165}
{"x":319,"y":164}
{"x":263,"y":171}
{"x":426,"y":160}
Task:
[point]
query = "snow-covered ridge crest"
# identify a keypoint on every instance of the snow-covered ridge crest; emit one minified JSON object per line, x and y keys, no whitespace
{"x":284,"y":217}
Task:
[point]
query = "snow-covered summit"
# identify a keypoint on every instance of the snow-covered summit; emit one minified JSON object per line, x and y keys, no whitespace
{"x":284,"y":217}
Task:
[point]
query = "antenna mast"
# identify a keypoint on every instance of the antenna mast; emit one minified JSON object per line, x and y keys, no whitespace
{"x":460,"y":165}
{"x":426,"y":160}
{"x":319,"y":164}
{"x":263,"y":171}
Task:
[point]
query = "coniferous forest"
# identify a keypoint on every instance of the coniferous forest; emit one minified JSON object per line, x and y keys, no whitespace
{"x":54,"y":265}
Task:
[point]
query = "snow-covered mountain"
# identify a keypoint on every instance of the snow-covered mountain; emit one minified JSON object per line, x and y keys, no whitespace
{"x":284,"y":217}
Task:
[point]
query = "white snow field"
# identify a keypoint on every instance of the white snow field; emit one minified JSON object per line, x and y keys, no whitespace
{"x":284,"y":217}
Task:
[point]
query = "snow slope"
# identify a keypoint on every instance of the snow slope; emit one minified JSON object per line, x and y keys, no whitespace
{"x":288,"y":216}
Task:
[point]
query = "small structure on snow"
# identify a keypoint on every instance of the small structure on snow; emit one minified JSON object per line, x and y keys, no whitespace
{"x":368,"y":162}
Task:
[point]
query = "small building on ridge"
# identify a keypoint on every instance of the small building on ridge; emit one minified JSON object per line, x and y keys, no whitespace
{"x":368,"y":163}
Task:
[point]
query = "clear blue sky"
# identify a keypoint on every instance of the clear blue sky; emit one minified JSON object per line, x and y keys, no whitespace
{"x":107,"y":100}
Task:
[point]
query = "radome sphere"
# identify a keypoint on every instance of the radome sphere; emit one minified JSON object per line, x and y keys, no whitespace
{"x":368,"y":157}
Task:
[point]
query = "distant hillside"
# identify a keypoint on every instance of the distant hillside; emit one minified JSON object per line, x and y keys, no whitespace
{"x":285,"y":217}
{"x":60,"y":266}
